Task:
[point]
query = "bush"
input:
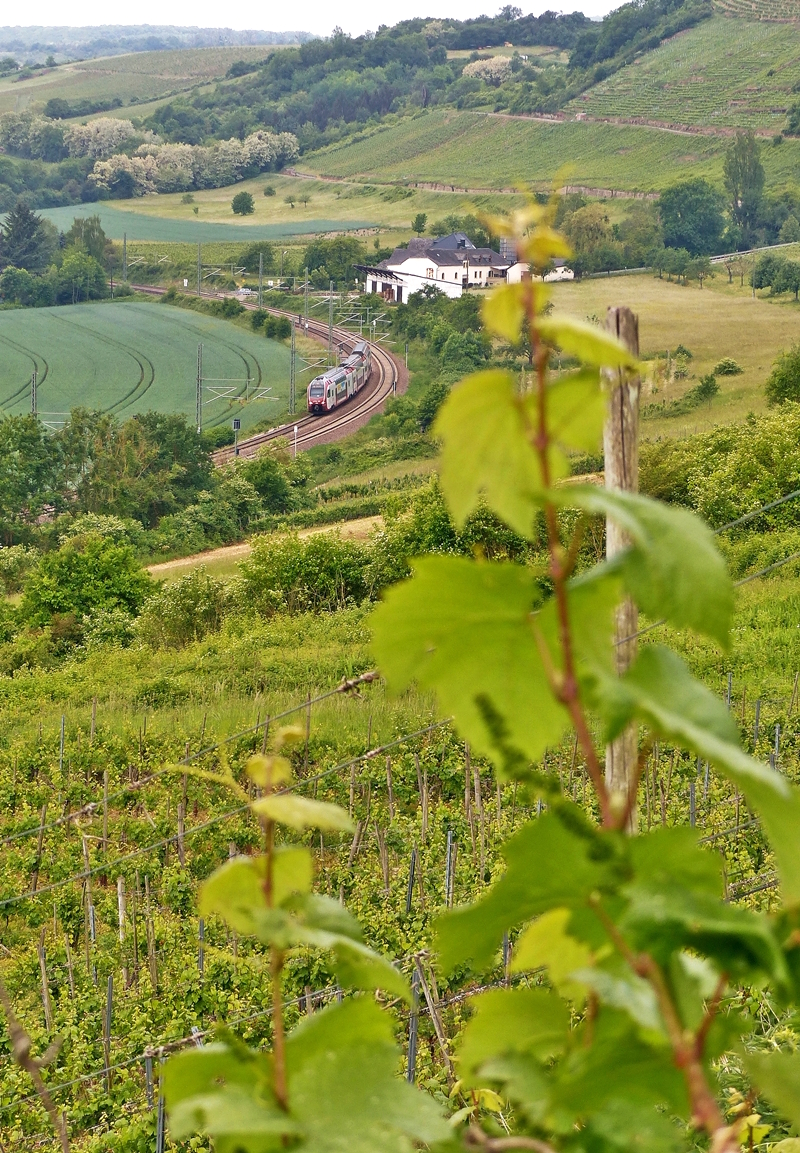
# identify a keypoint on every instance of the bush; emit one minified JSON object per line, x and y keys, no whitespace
{"x":243,"y":204}
{"x":108,"y":627}
{"x":83,"y":576}
{"x":184,"y":611}
{"x":16,"y":561}
{"x":727,"y":367}
{"x":278,"y":327}
{"x":783,"y":382}
{"x":320,"y":574}
{"x":269,"y":190}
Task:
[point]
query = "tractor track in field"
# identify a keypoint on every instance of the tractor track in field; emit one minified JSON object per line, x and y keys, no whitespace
{"x":140,"y":358}
{"x":388,"y":376}
{"x":34,"y":357}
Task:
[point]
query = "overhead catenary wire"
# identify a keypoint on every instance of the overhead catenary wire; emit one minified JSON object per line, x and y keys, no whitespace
{"x":108,"y":866}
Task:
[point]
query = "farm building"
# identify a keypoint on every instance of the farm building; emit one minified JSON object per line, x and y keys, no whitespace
{"x":452,"y":263}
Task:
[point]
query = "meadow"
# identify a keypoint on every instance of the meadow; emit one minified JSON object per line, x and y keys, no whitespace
{"x":137,"y":77}
{"x":496,"y":151}
{"x":732,"y":73}
{"x":125,"y":357}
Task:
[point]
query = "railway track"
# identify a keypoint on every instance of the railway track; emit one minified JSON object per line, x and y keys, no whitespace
{"x":312,"y":430}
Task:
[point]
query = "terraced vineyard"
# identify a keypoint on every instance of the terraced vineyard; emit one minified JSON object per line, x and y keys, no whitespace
{"x":135,"y":77}
{"x":759,"y":9}
{"x":474,"y":150}
{"x":723,"y":73}
{"x":131,"y":357}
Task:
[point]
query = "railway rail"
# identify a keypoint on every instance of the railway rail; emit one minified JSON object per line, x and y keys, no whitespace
{"x":306,"y":431}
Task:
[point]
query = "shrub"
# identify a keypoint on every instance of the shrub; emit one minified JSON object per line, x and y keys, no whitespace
{"x":320,"y":574}
{"x":243,"y":204}
{"x":84,"y":575}
{"x":783,"y":382}
{"x":184,"y":611}
{"x":16,"y":561}
{"x":108,"y":627}
{"x":727,"y":367}
{"x":269,"y":190}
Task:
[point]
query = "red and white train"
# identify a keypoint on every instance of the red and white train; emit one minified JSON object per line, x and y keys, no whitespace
{"x":337,"y":385}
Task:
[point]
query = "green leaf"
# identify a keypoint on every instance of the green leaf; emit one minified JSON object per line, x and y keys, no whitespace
{"x":321,"y":912}
{"x":576,"y":409}
{"x":527,"y":1021}
{"x":622,"y":989}
{"x":464,"y":630}
{"x":547,"y":944}
{"x":360,"y":967}
{"x":527,"y":889}
{"x":301,"y":812}
{"x":674,"y":568}
{"x":623,"y":1125}
{"x":660,"y":690}
{"x":235,"y":891}
{"x":589,"y":343}
{"x":503,"y":310}
{"x":486,"y":451}
{"x":343,"y":1085}
{"x":523,"y":1081}
{"x":777,"y":1076}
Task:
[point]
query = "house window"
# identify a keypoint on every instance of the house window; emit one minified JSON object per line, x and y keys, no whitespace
{"x":429,"y":272}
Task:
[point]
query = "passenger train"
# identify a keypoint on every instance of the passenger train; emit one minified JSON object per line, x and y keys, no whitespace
{"x":336,"y":385}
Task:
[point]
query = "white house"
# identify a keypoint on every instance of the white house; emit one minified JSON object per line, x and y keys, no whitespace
{"x":451,"y":263}
{"x":520,"y":271}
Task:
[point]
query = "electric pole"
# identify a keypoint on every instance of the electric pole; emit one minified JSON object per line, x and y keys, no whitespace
{"x":199,"y":396}
{"x":33,"y":393}
{"x":199,"y":268}
{"x":260,"y":278}
{"x":293,"y":374}
{"x":306,"y":300}
{"x":125,"y":256}
{"x":330,"y":323}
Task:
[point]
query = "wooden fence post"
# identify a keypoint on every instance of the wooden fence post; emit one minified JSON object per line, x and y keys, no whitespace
{"x":47,"y":1003}
{"x":389,"y":789}
{"x":621,"y":452}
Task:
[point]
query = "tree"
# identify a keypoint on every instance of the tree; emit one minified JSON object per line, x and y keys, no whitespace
{"x":87,"y":232}
{"x":691,"y":216}
{"x":24,"y":240}
{"x":418,"y":223}
{"x":29,"y":473}
{"x":243,"y":204}
{"x":744,"y":180}
{"x":337,"y":257}
{"x":788,"y":278}
{"x":783,"y":382}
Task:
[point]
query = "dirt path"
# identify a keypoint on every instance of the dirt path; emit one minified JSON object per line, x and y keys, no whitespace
{"x":351,"y":530}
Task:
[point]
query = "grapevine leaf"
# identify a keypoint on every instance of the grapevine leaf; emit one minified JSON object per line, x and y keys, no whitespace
{"x":626,"y":1126}
{"x":528,"y":888}
{"x":223,"y":1093}
{"x":542,"y":244}
{"x":589,"y":343}
{"x":341,"y":1068}
{"x":301,"y":812}
{"x":546,"y":943}
{"x":674,"y":568}
{"x":503,"y":310}
{"x":486,"y":452}
{"x":523,"y":1081}
{"x":624,"y":990}
{"x":777,"y":1076}
{"x":576,"y":410}
{"x":236,"y":890}
{"x":528,"y":1021}
{"x":360,"y":967}
{"x":328,"y":915}
{"x":463,"y":629}
{"x":660,"y":690}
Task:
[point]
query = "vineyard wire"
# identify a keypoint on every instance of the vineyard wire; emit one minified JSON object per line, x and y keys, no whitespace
{"x":109,"y":866}
{"x":87,"y":809}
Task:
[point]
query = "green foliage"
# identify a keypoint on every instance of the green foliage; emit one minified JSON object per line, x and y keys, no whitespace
{"x":334,"y":260}
{"x":744,"y":180}
{"x":691,"y":216}
{"x":184,"y":611}
{"x":418,"y":223}
{"x":783,"y":383}
{"x":727,"y":367}
{"x":243,"y":204}
{"x":25,"y":240}
{"x":82,"y":577}
{"x":324,"y":572}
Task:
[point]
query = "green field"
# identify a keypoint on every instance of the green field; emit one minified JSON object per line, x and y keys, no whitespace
{"x":132,"y":356}
{"x":136,"y":77}
{"x":722,"y":73}
{"x":479,"y":150}
{"x":117,"y":222}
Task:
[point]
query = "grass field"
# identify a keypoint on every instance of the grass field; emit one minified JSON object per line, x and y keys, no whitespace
{"x":476,"y":150}
{"x":131,"y":356}
{"x":714,"y":322}
{"x":136,"y":77}
{"x":723,"y":72}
